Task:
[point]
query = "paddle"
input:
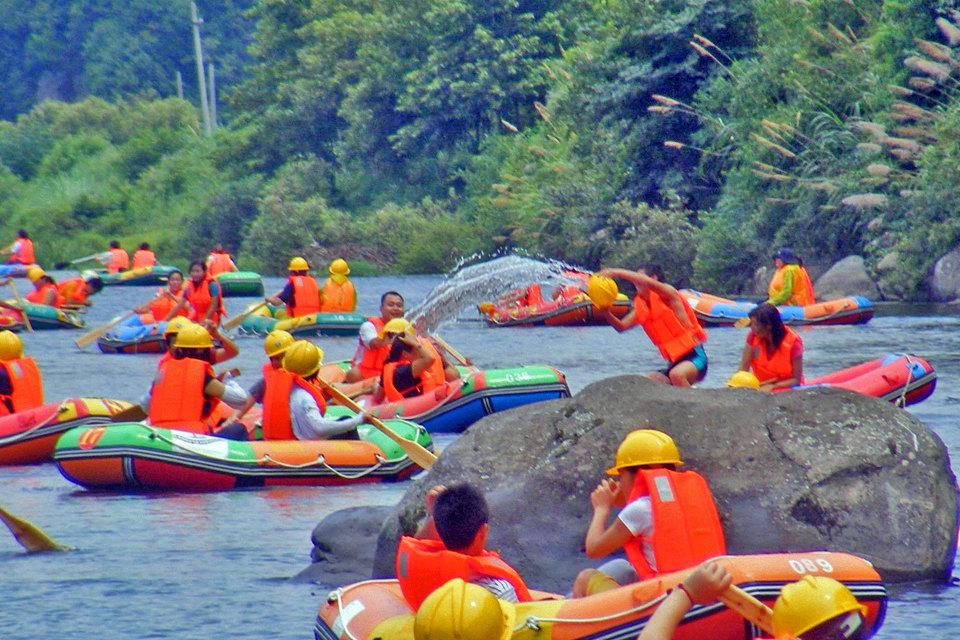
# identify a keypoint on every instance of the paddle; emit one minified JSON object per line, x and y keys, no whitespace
{"x":91,"y":336}
{"x":29,"y":535}
{"x":92,"y":256}
{"x":230,"y":324}
{"x":749,"y":607}
{"x":453,"y":353}
{"x":418,"y":454}
{"x":23,"y":311}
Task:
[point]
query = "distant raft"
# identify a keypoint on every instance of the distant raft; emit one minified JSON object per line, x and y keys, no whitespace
{"x":898,"y":378}
{"x":720,"y":312}
{"x":41,"y":316}
{"x":564,"y":312}
{"x":134,"y":336}
{"x":29,"y":437}
{"x":269,"y":318}
{"x":134,"y":456}
{"x":235,"y":284}
{"x":15,"y":270}
{"x":139,"y":277}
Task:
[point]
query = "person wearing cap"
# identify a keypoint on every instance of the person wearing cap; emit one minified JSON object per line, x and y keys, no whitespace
{"x":812,"y":608}
{"x":219,"y":261}
{"x":656,"y":499}
{"x":115,"y":259}
{"x":412,"y":367}
{"x":790,"y":284}
{"x":338,"y":294}
{"x":143,"y":257}
{"x":275,"y":345}
{"x":44,"y":289}
{"x":773,"y":351}
{"x":301,"y":293}
{"x":168,"y":299}
{"x":21,"y":386}
{"x":21,"y":251}
{"x":373,"y":347}
{"x":76,"y":292}
{"x":450,"y":544}
{"x":668,"y":321}
{"x":203,"y":295}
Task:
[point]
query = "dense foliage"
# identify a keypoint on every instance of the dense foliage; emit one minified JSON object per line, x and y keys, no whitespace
{"x":403,"y":135}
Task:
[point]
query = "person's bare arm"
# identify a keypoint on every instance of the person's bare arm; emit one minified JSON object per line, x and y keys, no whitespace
{"x":602,"y":540}
{"x":702,"y":586}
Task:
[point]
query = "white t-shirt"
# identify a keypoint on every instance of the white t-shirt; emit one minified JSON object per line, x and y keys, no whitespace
{"x":368,"y":333}
{"x":308,"y":423}
{"x":637,"y":517}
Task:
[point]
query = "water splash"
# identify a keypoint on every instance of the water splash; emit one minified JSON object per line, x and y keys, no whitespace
{"x":485,"y":282}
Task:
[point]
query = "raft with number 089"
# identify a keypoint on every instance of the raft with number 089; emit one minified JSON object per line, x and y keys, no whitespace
{"x":714,"y":311}
{"x":139,"y":277}
{"x":234,"y":284}
{"x":377,"y":608}
{"x":270,"y":318}
{"x":135,"y":456}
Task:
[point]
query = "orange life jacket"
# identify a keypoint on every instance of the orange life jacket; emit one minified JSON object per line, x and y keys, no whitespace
{"x":533,"y":296}
{"x":39,"y":296}
{"x":806,"y":297}
{"x":338,"y":298}
{"x":119,"y":261}
{"x":219,"y":263}
{"x":435,"y":370}
{"x":802,"y":294}
{"x":306,"y":296}
{"x":164,"y":359}
{"x":425,"y":565}
{"x":25,"y":253}
{"x":370,"y":361}
{"x":276,"y":402}
{"x":665,"y":330}
{"x":143,"y":258}
{"x":686,"y":527}
{"x":177,"y":401}
{"x":73,"y":291}
{"x":164,"y":304}
{"x":200,"y":299}
{"x":776,"y":366}
{"x":390,"y":392}
{"x":25,"y":383}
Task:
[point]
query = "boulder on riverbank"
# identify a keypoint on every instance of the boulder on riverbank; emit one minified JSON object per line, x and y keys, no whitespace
{"x":819,"y":469}
{"x":945,"y":281}
{"x":848,"y":277}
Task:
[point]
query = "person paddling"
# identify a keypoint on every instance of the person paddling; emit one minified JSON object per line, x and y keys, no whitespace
{"x":300,"y":294}
{"x":116,"y":258}
{"x":773,"y":351}
{"x":168,"y":298}
{"x":203,"y":294}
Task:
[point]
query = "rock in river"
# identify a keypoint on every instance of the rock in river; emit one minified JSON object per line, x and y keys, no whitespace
{"x":797,"y":471}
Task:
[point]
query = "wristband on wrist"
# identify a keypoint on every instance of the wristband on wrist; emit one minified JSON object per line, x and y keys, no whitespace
{"x":682,"y":588}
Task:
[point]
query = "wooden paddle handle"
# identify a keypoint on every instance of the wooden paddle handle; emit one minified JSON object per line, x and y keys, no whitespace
{"x":23,"y":311}
{"x":749,"y":607}
{"x":240,"y":318}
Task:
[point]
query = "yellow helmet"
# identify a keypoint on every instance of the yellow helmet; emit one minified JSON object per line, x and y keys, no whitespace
{"x":35,"y":274}
{"x":462,"y":611}
{"x":743,"y":380}
{"x":175,"y":325}
{"x":810,"y":602}
{"x":643,"y":447}
{"x":10,"y":346}
{"x":298,"y":264}
{"x":339,"y":267}
{"x":397,"y":325}
{"x":302,"y":358}
{"x":602,"y":291}
{"x":193,"y":336}
{"x":277,"y":342}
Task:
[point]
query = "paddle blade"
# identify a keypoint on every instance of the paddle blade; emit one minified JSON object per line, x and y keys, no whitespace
{"x":748,"y":607}
{"x":92,"y":336}
{"x":29,"y":535}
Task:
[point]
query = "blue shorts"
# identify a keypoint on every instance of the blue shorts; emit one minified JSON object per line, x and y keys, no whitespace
{"x":699,"y":359}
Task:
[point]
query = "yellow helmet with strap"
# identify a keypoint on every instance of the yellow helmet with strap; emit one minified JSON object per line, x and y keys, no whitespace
{"x":645,"y":447}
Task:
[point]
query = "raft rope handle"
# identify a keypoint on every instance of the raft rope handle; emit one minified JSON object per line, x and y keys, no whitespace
{"x":56,"y":414}
{"x":902,"y":400}
{"x":533,"y":622}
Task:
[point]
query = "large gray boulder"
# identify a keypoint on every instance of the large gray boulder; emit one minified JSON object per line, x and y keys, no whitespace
{"x":848,"y":277}
{"x":798,"y":471}
{"x":945,"y":281}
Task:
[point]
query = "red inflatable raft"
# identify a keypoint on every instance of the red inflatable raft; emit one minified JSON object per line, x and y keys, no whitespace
{"x":899,"y":378}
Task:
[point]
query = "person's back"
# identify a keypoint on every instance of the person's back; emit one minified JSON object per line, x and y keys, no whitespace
{"x":143,"y":257}
{"x":21,"y":386}
{"x":338,"y":294}
{"x":119,"y":260}
{"x":219,"y":261}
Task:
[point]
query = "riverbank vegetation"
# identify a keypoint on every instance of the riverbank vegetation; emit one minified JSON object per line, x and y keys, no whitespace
{"x":699,"y":134}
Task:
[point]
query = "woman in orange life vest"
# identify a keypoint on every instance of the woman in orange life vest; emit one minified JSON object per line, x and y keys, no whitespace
{"x":773,"y":351}
{"x":301,"y":293}
{"x":167,"y":299}
{"x":219,"y":261}
{"x":813,"y":608}
{"x":186,"y":393}
{"x":203,"y":294}
{"x":646,"y":527}
{"x":372,"y":350}
{"x":338,"y":294}
{"x":790,"y":284}
{"x":44,"y":289}
{"x":144,"y":257}
{"x":21,"y":251}
{"x":410,"y":368}
{"x":450,"y":544}
{"x":115,"y":259}
{"x":77,"y":291}
{"x":668,"y":321}
{"x":21,"y":387}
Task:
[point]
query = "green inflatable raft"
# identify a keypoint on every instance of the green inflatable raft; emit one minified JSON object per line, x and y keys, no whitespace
{"x":318,"y":324}
{"x":139,"y":277}
{"x":240,"y":283}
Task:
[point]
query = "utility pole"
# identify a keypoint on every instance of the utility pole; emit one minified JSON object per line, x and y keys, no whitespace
{"x":213,"y":96}
{"x":179,"y":85}
{"x":202,"y":81}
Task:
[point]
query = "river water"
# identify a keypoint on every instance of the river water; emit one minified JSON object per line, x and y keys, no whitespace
{"x":199,"y":566}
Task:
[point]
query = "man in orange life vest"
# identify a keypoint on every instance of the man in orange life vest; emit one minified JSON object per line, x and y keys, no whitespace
{"x":451,"y":544}
{"x":668,"y":321}
{"x":77,"y":291}
{"x":338,"y":294}
{"x":654,"y":497}
{"x":373,"y":348}
{"x":144,"y":257}
{"x":116,"y":259}
{"x":219,"y":261}
{"x":21,"y":251}
{"x":301,"y":293}
{"x":21,"y":387}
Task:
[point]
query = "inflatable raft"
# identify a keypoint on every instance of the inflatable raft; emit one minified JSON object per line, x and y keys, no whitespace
{"x":377,"y":609}
{"x":565,"y":312}
{"x":269,"y":318}
{"x":137,"y":456}
{"x":29,"y":437}
{"x":898,"y":378}
{"x":721,"y":312}
{"x":141,"y":276}
{"x":240,"y":283}
{"x":41,"y":317}
{"x":15,"y":270}
{"x":458,"y":404}
{"x":133,"y":336}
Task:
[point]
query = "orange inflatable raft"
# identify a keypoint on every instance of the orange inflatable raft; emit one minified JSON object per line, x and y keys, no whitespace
{"x":714,"y":311}
{"x":377,"y":609}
